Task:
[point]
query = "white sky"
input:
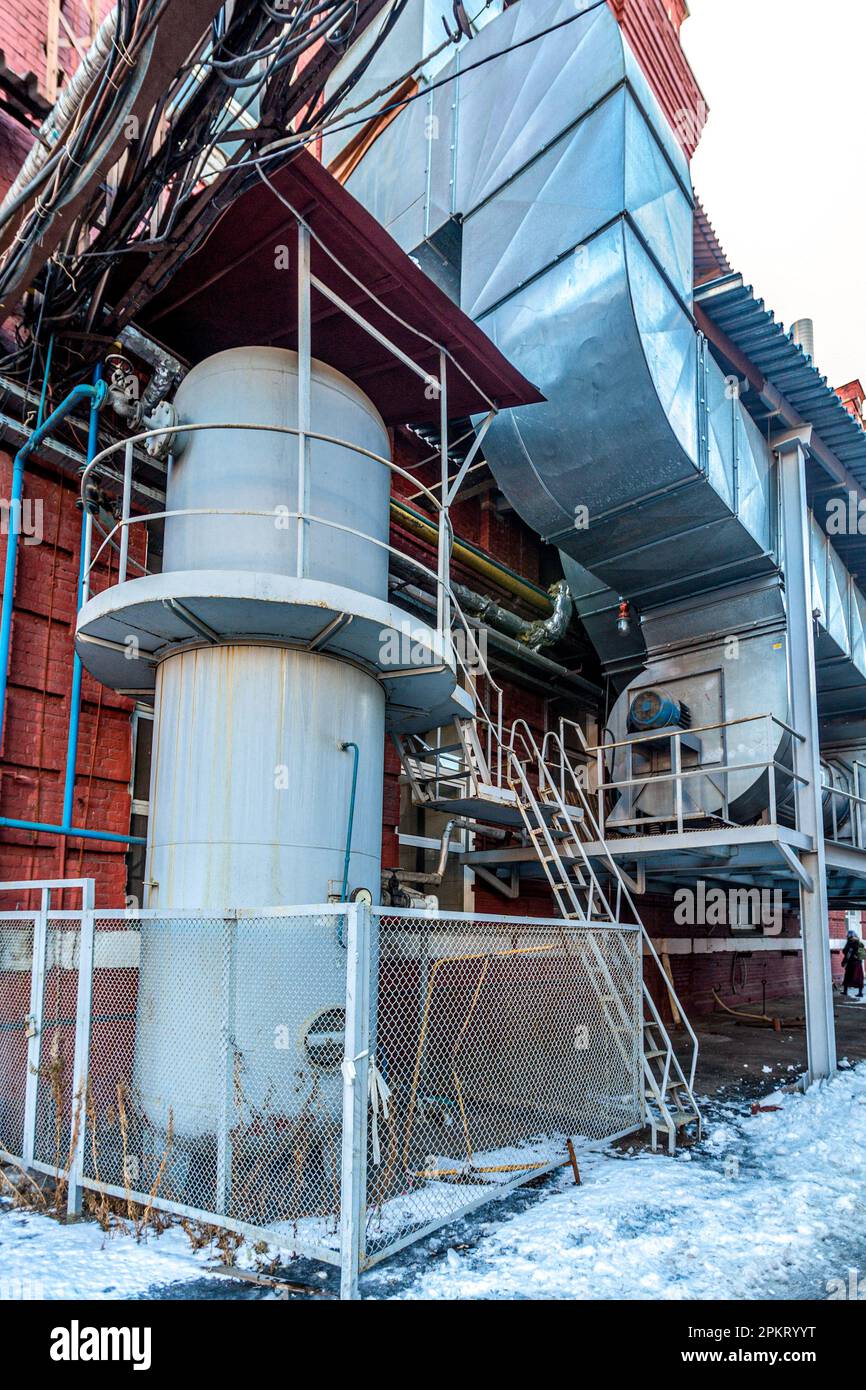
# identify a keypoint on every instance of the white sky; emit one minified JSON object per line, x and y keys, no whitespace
{"x":780,"y":167}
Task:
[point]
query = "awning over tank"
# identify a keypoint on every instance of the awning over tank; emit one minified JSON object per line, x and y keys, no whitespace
{"x":240,"y":289}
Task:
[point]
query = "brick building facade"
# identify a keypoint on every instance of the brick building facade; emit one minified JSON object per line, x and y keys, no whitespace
{"x":34,"y":748}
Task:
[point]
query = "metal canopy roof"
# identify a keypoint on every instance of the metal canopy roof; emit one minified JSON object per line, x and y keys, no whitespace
{"x":240,"y":288}
{"x":753,"y":328}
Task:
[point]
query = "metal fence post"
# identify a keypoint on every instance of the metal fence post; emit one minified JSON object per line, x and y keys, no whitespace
{"x":81,"y":1065}
{"x":34,"y":1027}
{"x":355,"y":1082}
{"x":224,"y":1153}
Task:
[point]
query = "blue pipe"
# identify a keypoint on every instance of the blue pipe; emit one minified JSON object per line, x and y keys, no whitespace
{"x":75,"y":696}
{"x":76,"y":395}
{"x":74,"y":832}
{"x":44,"y":393}
{"x":345,"y":747}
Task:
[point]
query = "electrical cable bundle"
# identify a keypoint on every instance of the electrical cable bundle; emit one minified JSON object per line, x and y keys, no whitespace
{"x":258,"y":74}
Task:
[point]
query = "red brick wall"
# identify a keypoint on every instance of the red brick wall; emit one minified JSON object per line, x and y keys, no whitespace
{"x":651,"y":28}
{"x":23,"y":30}
{"x":37,"y":719}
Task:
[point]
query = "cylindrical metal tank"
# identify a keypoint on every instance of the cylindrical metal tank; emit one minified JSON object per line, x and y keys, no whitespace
{"x":251,"y":783}
{"x":254,"y":471}
{"x":250,"y":787}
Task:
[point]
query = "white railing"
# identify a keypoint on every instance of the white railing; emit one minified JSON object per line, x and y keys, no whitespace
{"x":718,"y":769}
{"x":448,"y":609}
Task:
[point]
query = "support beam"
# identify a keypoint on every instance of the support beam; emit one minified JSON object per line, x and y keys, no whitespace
{"x":814,"y":919}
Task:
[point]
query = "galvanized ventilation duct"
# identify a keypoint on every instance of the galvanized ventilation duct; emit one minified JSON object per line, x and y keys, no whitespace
{"x":577,"y":227}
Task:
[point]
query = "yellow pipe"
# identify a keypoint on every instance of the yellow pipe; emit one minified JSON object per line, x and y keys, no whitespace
{"x":500,"y":1168}
{"x":450,"y":960}
{"x":473,"y":559}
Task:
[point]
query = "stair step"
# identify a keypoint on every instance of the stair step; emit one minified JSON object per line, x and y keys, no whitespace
{"x":655,"y":1052}
{"x":682,"y":1117}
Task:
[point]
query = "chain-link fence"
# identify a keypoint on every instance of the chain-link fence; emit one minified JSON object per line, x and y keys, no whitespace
{"x":494,"y":1042}
{"x":215,"y":1085}
{"x":333,"y":1080}
{"x":16,"y":959}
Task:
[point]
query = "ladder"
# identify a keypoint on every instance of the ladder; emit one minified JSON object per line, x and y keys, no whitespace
{"x":559,"y":823}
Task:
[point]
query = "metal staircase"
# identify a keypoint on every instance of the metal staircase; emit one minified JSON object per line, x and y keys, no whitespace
{"x":580,"y":897}
{"x":539,"y":790}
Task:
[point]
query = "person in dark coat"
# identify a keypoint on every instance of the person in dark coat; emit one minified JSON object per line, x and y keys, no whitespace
{"x":852,"y":959}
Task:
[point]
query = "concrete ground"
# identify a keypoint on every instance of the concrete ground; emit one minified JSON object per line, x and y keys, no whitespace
{"x":741,"y":1056}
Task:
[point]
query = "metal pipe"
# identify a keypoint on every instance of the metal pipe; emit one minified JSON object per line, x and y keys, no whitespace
{"x":74,"y":832}
{"x":441,"y":864}
{"x":40,"y":415}
{"x":76,"y":395}
{"x":522,"y":654}
{"x":75,"y":694}
{"x":469,"y":555}
{"x":356,"y":755}
{"x":124,"y":514}
{"x":546,"y":631}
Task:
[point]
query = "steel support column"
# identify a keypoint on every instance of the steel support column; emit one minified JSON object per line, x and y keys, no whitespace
{"x":814,"y":917}
{"x":355,"y":1068}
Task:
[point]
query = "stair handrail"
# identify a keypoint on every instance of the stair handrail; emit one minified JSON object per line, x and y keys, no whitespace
{"x":590,"y":821}
{"x":494,"y":727}
{"x":521,"y":736}
{"x":535,"y":754}
{"x":521,"y":728}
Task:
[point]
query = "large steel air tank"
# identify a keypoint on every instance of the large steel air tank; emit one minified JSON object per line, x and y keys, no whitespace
{"x":251,"y":780}
{"x":256,"y":471}
{"x":250,"y":785}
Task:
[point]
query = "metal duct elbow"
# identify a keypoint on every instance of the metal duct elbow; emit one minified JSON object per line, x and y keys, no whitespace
{"x":545,"y":632}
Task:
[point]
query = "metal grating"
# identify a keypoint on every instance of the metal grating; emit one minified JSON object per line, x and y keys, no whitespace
{"x":334,"y":1080}
{"x":215,"y":1086}
{"x":58,"y":1111}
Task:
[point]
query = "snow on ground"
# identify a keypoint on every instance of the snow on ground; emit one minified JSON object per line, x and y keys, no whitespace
{"x":768,"y":1206}
{"x":42,"y":1258}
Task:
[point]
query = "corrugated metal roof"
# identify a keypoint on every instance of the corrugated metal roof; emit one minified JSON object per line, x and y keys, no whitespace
{"x":710,"y":259}
{"x":753,"y":328}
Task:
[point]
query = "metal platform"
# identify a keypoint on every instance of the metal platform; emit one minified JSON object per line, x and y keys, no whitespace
{"x":124,"y":632}
{"x":736,"y":854}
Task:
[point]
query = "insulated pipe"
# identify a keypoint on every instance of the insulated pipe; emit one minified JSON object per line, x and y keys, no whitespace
{"x":76,"y":395}
{"x":75,"y":696}
{"x":526,"y":656}
{"x":473,"y":558}
{"x":56,"y":123}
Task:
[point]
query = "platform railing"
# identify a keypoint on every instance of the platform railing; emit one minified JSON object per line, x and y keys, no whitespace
{"x":679,"y":777}
{"x":849,"y":829}
{"x":449,"y":611}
